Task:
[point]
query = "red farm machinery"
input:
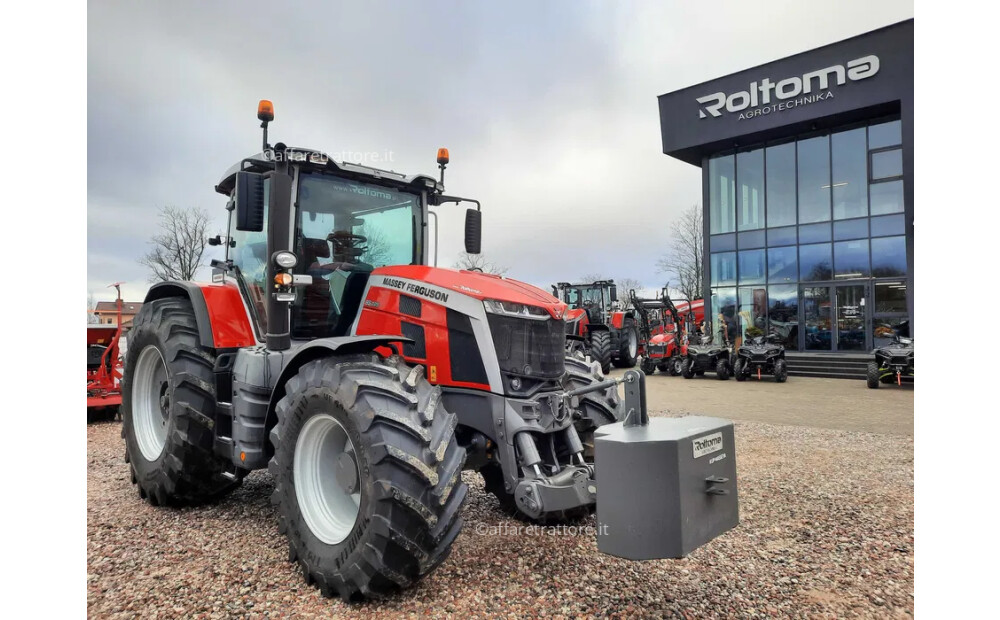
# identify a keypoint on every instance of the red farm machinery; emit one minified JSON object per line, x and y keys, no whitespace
{"x":597,"y":325}
{"x":664,"y":327}
{"x":104,"y":370}
{"x":326,"y":350}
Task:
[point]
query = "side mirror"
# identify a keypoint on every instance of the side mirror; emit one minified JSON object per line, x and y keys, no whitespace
{"x":473,"y":231}
{"x":614,"y":294}
{"x":249,"y":200}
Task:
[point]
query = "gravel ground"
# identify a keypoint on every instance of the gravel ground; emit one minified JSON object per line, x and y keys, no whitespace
{"x":826,"y":531}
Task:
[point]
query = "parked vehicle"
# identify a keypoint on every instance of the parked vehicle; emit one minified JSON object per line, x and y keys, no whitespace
{"x":596,"y":324}
{"x":706,"y":354}
{"x":327,"y":350}
{"x":892,"y":362}
{"x":761,"y":355}
{"x":104,"y":369}
{"x":661,"y":327}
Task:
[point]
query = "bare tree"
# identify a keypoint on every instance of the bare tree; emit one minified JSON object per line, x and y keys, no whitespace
{"x":684,"y":260}
{"x":479,"y":261}
{"x":587,"y":278}
{"x":624,"y":286}
{"x":179,"y":246}
{"x":377,"y":249}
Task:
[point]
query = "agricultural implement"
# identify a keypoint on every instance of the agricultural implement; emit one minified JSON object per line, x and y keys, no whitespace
{"x":327,"y":350}
{"x":104,"y":371}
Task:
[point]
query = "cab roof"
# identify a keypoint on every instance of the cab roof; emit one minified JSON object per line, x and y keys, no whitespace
{"x":318,"y":160}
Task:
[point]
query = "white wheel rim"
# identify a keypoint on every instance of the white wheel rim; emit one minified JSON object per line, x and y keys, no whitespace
{"x":327,"y":501}
{"x":150,"y":403}
{"x":633,"y":344}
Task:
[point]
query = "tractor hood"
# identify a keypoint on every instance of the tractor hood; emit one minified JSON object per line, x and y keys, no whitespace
{"x":478,"y":285}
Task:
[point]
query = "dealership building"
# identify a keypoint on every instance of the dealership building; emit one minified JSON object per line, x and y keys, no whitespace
{"x":807,"y":184}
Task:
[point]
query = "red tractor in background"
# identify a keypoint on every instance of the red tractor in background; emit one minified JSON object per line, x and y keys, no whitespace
{"x":665,"y":327}
{"x":104,"y":370}
{"x":597,"y":326}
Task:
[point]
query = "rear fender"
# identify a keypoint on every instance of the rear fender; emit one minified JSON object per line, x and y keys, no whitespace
{"x":218,"y":310}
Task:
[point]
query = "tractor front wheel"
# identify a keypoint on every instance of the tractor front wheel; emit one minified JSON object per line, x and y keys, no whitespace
{"x":628,"y":352}
{"x":367,"y":473}
{"x":168,"y":409}
{"x":648,"y":366}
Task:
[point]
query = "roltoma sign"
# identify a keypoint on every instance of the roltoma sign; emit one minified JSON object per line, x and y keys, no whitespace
{"x":765,"y":96}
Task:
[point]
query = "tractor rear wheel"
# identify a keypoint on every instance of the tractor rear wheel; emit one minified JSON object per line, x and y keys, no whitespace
{"x":872,"y":375}
{"x":367,"y":473}
{"x":628,"y":351}
{"x":600,"y":349}
{"x":168,"y":409}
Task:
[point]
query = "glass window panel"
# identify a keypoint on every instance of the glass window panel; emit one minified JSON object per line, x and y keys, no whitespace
{"x":889,"y":257}
{"x":888,"y":225}
{"x":781,"y":236}
{"x":723,"y":268}
{"x":815,"y":262}
{"x":887,"y":164}
{"x":849,"y":174}
{"x":783,"y":313}
{"x":850,"y":259}
{"x":721,"y":194}
{"x":750,"y":194}
{"x":753,"y":267}
{"x":723,"y":319}
{"x":890,"y":297}
{"x":886,"y":197}
{"x":782,"y":264}
{"x":753,"y":309}
{"x":888,"y":327}
{"x":723,"y":243}
{"x":781,"y":184}
{"x":850,"y":229}
{"x":885,"y":134}
{"x":814,"y":233}
{"x":752,"y":239}
{"x":814,"y":180}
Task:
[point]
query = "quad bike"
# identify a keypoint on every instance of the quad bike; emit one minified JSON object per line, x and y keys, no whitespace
{"x":328,"y":351}
{"x":761,"y":355}
{"x":892,"y":362}
{"x":596,"y":326}
{"x":705,"y":355}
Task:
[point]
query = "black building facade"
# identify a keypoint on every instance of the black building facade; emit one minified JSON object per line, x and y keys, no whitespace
{"x":807,"y":168}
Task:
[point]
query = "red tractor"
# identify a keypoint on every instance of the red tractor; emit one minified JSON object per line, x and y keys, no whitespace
{"x":664,"y":327}
{"x":104,"y":371}
{"x":327,"y":350}
{"x":596,"y":325}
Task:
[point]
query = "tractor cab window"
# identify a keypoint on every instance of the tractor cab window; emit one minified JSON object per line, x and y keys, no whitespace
{"x":571,"y":297}
{"x":344,"y":230}
{"x":594,"y":295}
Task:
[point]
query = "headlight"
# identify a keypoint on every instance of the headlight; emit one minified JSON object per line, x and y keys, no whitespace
{"x":509,"y":308}
{"x":285,"y":260}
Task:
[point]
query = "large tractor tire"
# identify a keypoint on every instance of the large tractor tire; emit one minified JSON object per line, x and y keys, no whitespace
{"x":872,"y":375}
{"x":367,"y":473}
{"x":628,"y":346}
{"x":596,"y":409}
{"x":168,"y":409}
{"x":600,"y":349}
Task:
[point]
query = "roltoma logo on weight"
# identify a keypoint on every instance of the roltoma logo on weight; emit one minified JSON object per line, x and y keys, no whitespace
{"x":813,"y":86}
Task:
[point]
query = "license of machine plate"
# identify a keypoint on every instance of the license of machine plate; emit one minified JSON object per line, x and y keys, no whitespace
{"x":707,"y":444}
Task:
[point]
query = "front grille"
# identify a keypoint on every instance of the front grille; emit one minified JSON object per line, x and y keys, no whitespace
{"x":528,"y":347}
{"x":900,"y":360}
{"x":759,"y":357}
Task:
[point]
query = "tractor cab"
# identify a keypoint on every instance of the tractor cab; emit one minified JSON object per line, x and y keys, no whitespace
{"x":597,"y":299}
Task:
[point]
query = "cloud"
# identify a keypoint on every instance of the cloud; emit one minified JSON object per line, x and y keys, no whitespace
{"x":549,"y":112}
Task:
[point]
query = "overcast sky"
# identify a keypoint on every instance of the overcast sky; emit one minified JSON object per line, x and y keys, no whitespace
{"x":548,"y":109}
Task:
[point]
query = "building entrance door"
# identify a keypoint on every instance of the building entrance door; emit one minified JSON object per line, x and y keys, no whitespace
{"x":835,"y":318}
